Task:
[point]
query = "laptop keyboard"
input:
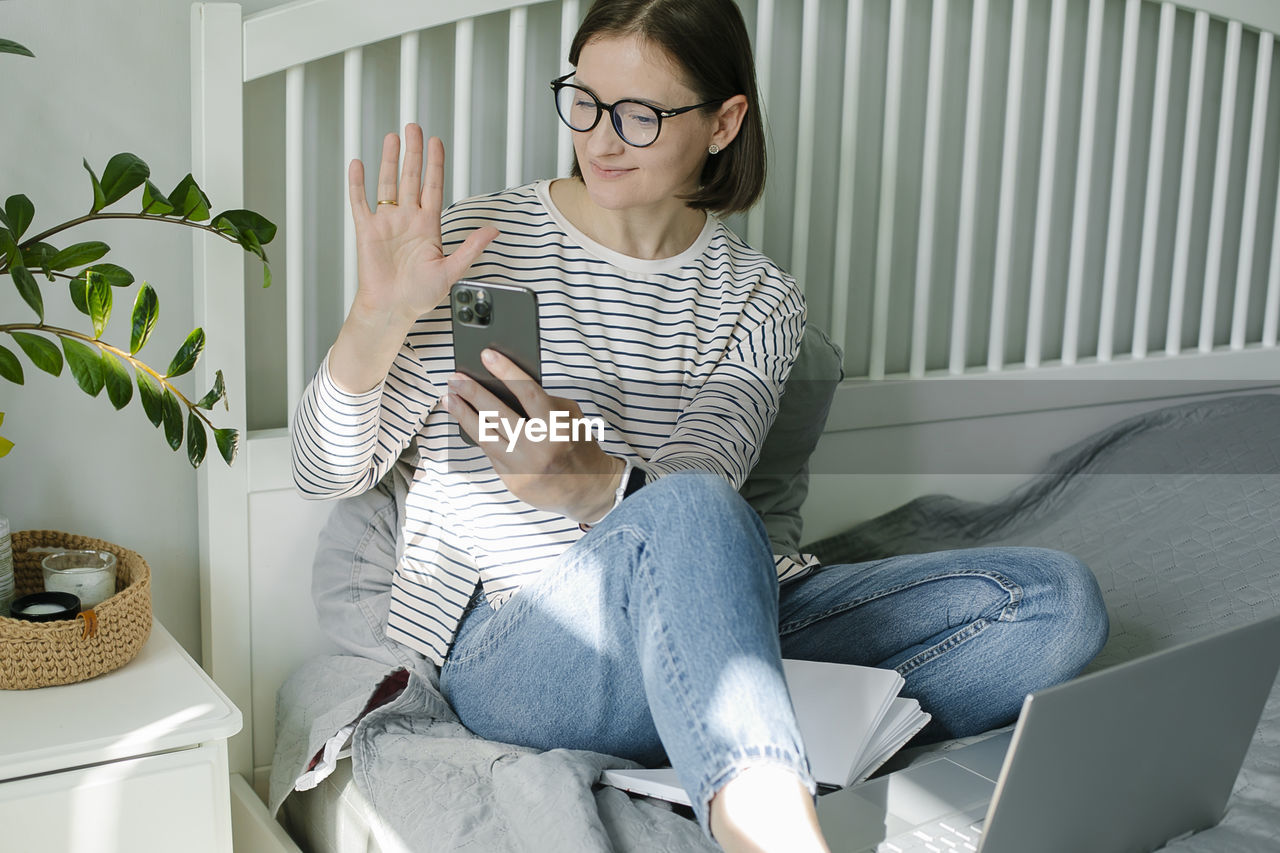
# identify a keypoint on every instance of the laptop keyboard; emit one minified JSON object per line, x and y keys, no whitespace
{"x":961,"y":832}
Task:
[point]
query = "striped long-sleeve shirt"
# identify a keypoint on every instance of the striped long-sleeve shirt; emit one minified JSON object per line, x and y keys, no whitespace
{"x":683,"y":358}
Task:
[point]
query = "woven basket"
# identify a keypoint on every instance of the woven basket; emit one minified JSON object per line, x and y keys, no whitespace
{"x":41,"y":654}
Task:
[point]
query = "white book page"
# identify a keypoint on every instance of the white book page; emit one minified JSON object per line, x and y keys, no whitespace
{"x":838,"y":707}
{"x":899,"y":725}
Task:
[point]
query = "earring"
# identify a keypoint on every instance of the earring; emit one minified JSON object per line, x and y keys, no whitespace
{"x":714,"y":149}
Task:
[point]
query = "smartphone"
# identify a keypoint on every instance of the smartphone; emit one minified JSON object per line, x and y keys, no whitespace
{"x":503,"y":317}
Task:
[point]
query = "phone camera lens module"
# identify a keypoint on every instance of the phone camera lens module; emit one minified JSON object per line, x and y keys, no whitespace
{"x":482,"y":310}
{"x":466,"y":315}
{"x":464,"y":297}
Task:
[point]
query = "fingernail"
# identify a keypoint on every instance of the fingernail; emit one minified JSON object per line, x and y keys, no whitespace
{"x":489,"y":356}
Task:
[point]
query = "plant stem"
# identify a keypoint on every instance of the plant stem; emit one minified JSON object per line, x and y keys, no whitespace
{"x":138,"y":364}
{"x":89,"y":217}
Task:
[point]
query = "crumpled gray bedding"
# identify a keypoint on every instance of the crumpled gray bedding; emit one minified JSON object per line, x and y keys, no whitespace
{"x":1176,"y":511}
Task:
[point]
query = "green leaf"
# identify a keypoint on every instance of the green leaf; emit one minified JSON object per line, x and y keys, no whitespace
{"x":151,"y":396}
{"x":146,"y":307}
{"x":11,"y":368}
{"x":42,"y":352}
{"x":124,"y":173}
{"x":99,"y":305}
{"x":197,"y":441}
{"x":228,"y":441}
{"x":79,"y":255}
{"x":247,"y":222}
{"x":39,"y":256}
{"x":79,"y":295}
{"x":172,"y":420}
{"x":155,"y":202}
{"x":187,"y":355}
{"x":266,"y":275}
{"x":5,"y":446}
{"x":99,"y":198}
{"x":189,"y":200}
{"x":114,"y":275}
{"x":19,"y":211}
{"x":216,"y":393}
{"x":102,"y":277}
{"x":7,"y":46}
{"x":28,"y":289}
{"x":116,"y":379}
{"x":8,"y":247}
{"x":85,"y":364}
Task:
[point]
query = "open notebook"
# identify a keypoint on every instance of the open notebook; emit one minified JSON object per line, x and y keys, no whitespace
{"x":851,"y":720}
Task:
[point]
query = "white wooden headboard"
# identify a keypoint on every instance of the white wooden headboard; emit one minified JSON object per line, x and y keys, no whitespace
{"x":966,"y":189}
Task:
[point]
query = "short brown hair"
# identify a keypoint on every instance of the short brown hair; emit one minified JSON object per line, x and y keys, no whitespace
{"x":708,"y":40}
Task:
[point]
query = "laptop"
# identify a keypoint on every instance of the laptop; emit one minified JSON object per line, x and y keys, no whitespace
{"x":1124,"y":759}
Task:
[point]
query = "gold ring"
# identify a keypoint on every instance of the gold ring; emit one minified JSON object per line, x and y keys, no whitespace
{"x":387,"y":201}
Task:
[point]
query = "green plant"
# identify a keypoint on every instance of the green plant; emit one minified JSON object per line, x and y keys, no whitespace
{"x":95,"y":364}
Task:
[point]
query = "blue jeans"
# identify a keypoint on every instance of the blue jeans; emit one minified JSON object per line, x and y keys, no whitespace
{"x":660,"y":635}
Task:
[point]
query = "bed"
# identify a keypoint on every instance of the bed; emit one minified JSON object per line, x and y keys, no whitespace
{"x":1022,"y":223}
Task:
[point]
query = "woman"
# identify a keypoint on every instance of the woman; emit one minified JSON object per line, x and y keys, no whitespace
{"x":619,"y":595}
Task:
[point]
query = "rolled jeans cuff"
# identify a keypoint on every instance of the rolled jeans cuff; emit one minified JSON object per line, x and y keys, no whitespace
{"x":740,"y":759}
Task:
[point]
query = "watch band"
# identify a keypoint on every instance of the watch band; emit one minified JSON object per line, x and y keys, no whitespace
{"x":633,"y":477}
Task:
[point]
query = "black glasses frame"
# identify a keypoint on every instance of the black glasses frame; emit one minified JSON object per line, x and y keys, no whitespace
{"x":601,"y":107}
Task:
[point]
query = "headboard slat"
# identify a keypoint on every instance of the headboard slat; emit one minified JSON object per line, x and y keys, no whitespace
{"x":1005,"y":219}
{"x":888,"y":190}
{"x":807,"y":135}
{"x":1252,"y":187}
{"x":517,"y":33}
{"x":1271,"y":313}
{"x":968,"y":216}
{"x":1083,"y":184}
{"x":1048,"y":165}
{"x":843,"y":264}
{"x":1187,"y":189}
{"x":929,"y":189}
{"x":569,"y":19}
{"x":460,"y":153}
{"x":764,"y":76}
{"x":1119,"y":171}
{"x":408,"y":80}
{"x":1155,"y":170}
{"x":1221,"y":182}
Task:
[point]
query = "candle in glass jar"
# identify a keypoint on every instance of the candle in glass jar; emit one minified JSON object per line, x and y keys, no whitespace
{"x":89,"y":575}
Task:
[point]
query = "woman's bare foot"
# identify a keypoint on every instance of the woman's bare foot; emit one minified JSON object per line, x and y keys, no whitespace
{"x":764,"y":809}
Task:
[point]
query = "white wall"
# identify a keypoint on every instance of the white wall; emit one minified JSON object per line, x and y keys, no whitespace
{"x":107,"y":77}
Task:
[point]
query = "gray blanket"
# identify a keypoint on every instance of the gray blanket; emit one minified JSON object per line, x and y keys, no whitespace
{"x":1177,"y":512}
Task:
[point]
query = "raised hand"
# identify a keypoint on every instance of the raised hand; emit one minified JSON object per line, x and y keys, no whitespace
{"x":403,"y":269}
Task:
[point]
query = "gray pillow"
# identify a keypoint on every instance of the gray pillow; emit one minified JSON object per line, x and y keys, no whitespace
{"x":777,"y":485}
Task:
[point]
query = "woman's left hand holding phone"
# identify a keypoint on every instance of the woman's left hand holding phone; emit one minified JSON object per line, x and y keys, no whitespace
{"x":576,"y":479}
{"x":404,"y":272}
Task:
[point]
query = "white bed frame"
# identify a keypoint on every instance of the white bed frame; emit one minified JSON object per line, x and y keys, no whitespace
{"x":943,"y":184}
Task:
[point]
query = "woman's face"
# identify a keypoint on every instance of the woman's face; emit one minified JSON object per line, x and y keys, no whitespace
{"x":619,"y":176}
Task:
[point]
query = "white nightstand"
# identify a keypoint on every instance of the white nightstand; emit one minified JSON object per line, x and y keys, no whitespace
{"x":129,"y":762}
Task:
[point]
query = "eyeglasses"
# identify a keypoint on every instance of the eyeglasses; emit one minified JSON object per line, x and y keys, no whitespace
{"x":636,"y":122}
